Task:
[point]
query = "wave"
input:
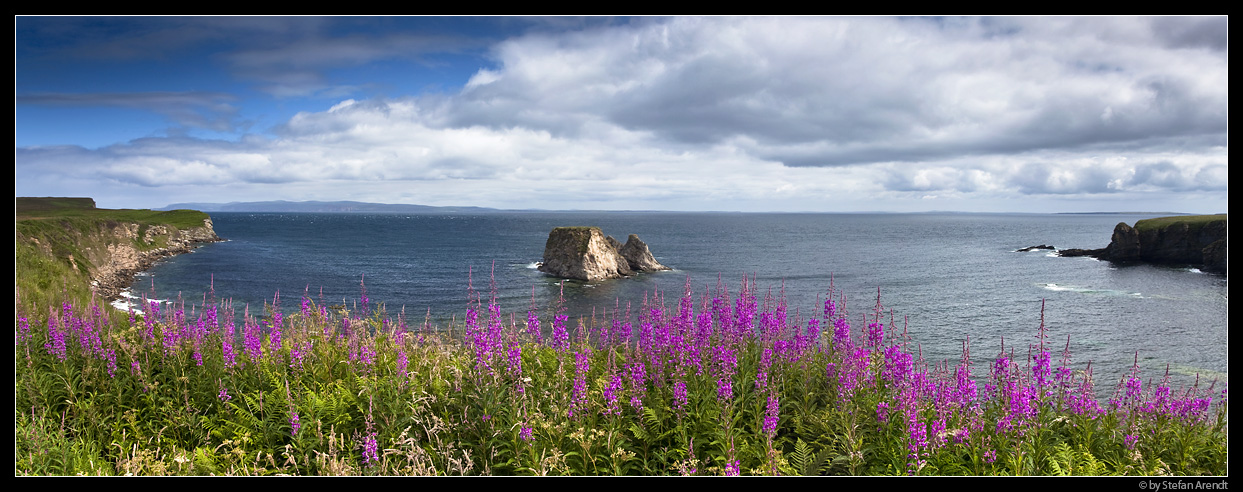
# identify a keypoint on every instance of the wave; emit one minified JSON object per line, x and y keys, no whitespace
{"x":128,"y":300}
{"x":1088,"y":290}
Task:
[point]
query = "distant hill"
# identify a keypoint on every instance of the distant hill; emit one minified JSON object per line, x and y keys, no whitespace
{"x":1128,"y":213}
{"x":326,"y":207}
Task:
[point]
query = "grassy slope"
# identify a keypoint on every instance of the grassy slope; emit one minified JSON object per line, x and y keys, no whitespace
{"x":66,"y":227}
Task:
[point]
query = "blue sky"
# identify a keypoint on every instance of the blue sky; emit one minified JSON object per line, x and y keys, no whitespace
{"x":828,"y":114}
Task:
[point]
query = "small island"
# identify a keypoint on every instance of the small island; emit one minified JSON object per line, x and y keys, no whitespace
{"x":1198,"y":240}
{"x":585,"y":253}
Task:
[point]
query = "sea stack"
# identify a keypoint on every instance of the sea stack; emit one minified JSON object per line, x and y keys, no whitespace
{"x":585,"y":253}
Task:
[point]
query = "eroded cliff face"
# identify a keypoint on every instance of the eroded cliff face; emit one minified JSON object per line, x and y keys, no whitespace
{"x":1173,"y":243}
{"x":585,"y":253}
{"x":118,"y":252}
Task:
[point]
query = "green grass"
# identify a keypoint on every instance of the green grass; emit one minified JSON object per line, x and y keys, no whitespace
{"x":28,"y":204}
{"x":1193,"y":221}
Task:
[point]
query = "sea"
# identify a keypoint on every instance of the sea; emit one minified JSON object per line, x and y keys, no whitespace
{"x":948,"y":280}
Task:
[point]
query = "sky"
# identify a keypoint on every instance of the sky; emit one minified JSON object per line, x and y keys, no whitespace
{"x":752,"y":114}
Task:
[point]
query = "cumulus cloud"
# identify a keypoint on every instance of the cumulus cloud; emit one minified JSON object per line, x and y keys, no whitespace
{"x":798,"y":113}
{"x":827,"y":91}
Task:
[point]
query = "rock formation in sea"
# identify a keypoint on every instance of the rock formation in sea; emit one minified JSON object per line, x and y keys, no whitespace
{"x":585,"y":253}
{"x":1194,"y":240}
{"x":1033,"y":248}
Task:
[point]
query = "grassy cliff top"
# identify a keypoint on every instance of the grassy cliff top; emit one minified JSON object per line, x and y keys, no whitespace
{"x":577,"y":228}
{"x":31,"y":208}
{"x":1194,"y":221}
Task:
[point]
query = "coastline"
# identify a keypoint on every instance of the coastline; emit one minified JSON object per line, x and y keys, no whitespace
{"x":124,"y":262}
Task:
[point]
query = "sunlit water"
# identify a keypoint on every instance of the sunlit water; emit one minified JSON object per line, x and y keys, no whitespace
{"x":946,"y":277}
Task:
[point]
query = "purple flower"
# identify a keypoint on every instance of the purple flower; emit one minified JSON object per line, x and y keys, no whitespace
{"x":876,"y":334}
{"x":254,"y":344}
{"x":841,"y":335}
{"x":533,"y":324}
{"x":761,"y":374}
{"x":294,"y":423}
{"x":226,"y":344}
{"x":578,"y":399}
{"x":298,"y":354}
{"x":611,"y":394}
{"x":371,"y":450}
{"x":679,"y":395}
{"x":23,"y":333}
{"x":514,"y":358}
{"x":56,"y":340}
{"x":770,"y":417}
{"x":224,"y":394}
{"x":898,"y":365}
{"x":638,"y":385}
{"x":560,"y":335}
{"x":275,"y":338}
{"x":724,"y":389}
{"x":525,"y":434}
{"x":402,"y":362}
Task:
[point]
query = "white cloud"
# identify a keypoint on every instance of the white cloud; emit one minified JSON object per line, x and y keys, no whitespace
{"x":761,"y":113}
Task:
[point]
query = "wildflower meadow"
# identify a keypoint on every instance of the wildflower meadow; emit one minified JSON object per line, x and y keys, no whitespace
{"x":719,"y":382}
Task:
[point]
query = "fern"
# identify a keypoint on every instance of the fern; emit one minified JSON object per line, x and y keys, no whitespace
{"x":802,"y":459}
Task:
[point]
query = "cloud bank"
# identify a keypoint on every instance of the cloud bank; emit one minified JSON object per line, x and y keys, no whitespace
{"x":713,"y":114}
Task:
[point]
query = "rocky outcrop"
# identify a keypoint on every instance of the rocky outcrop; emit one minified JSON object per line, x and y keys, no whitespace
{"x":585,"y":253}
{"x":1193,"y":240}
{"x":1034,"y":248}
{"x":639,"y":256}
{"x":114,"y":260}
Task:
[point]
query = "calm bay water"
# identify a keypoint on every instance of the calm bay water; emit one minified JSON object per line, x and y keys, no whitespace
{"x":947,"y":277}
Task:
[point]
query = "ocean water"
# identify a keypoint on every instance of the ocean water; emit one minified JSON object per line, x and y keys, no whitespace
{"x":947,"y":279}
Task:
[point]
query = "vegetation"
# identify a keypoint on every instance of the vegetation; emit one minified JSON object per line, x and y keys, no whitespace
{"x":54,"y":238}
{"x":1193,"y":221}
{"x":718,"y":384}
{"x":712,"y":385}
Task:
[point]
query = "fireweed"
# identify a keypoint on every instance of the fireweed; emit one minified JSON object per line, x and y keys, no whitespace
{"x":758,"y":391}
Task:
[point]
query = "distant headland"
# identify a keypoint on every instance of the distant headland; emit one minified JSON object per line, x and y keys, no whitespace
{"x":1198,"y":240}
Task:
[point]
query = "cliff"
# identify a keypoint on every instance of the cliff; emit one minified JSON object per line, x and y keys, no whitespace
{"x":585,"y":253}
{"x":1198,"y":240}
{"x":81,"y":249}
{"x":119,"y":254}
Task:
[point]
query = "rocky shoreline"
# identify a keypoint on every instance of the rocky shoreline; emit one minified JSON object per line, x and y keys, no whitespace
{"x":117,"y":266}
{"x":1200,"y":241}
